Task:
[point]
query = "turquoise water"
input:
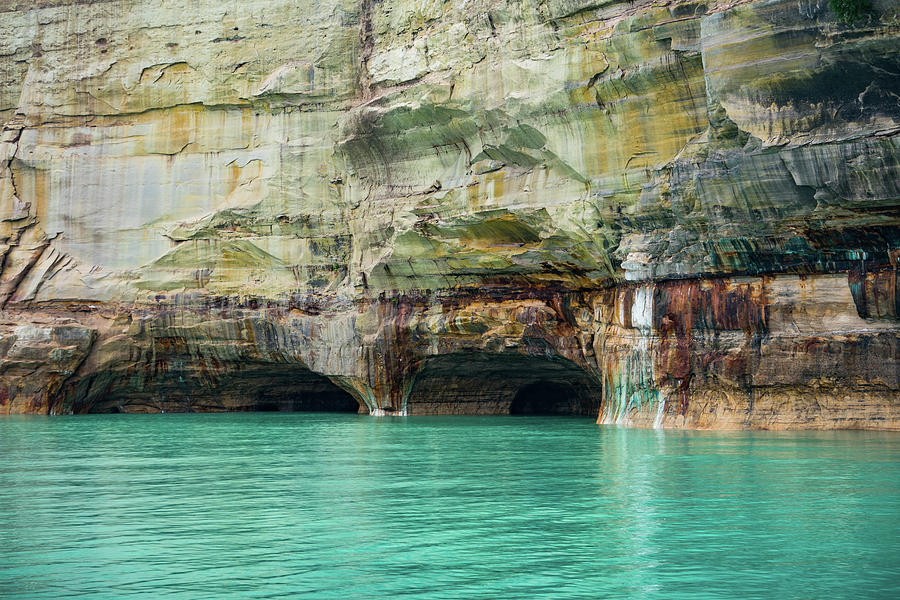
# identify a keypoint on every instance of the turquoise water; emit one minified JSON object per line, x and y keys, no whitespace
{"x":343,"y":506}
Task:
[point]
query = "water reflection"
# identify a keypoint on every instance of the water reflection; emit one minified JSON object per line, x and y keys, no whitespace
{"x":346,"y":506}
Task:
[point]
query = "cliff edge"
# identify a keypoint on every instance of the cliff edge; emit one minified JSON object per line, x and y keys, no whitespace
{"x":661,"y":213}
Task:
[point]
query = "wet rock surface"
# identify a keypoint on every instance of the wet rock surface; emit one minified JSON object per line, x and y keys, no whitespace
{"x":679,"y":214}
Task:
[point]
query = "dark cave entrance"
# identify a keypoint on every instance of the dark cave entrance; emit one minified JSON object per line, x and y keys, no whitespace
{"x":320,"y":401}
{"x":319,"y":396}
{"x":481,"y":383}
{"x":194,"y":387}
{"x":546,"y":398}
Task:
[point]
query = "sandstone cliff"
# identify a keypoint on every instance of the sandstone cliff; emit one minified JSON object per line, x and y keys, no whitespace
{"x":672,"y":213}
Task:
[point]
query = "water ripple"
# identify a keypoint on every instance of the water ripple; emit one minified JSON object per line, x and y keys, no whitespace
{"x":341,"y":506}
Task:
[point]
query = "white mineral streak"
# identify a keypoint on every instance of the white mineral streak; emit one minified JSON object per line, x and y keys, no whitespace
{"x":680,"y":198}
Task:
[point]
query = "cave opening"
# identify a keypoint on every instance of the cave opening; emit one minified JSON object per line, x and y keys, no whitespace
{"x":291,"y":399}
{"x":195,"y":387}
{"x":481,"y":383}
{"x":546,"y":398}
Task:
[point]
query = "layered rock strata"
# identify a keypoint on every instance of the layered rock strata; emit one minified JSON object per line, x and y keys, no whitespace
{"x":674,"y":214}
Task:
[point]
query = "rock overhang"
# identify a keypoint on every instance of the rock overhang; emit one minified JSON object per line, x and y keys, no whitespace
{"x":679,"y":199}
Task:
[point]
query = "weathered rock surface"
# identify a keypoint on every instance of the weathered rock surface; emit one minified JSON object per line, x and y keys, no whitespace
{"x":681,"y":214}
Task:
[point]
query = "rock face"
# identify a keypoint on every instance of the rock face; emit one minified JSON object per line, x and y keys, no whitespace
{"x":680,"y":214}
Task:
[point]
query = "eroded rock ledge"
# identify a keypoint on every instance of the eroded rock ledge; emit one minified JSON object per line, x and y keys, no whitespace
{"x":760,"y":352}
{"x":675,"y":214}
